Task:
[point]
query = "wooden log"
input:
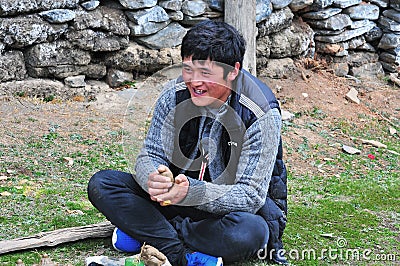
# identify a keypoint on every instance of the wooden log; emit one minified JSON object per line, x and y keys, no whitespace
{"x":56,"y":237}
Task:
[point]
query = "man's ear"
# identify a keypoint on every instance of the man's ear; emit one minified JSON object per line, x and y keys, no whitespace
{"x":234,"y":72}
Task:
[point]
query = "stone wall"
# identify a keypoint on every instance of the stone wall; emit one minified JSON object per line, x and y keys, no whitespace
{"x":74,"y":47}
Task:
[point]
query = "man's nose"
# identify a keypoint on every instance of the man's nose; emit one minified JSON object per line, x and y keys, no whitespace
{"x":196,"y":79}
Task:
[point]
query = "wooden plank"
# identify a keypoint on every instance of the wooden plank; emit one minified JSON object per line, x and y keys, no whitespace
{"x":242,"y":15}
{"x":56,"y":237}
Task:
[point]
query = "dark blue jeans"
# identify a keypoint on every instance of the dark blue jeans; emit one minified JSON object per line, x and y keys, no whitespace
{"x":175,"y":230}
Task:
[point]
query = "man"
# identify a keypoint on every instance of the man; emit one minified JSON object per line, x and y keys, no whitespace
{"x":216,"y":130}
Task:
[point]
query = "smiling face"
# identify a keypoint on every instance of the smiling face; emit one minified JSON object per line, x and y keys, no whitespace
{"x":206,"y":83}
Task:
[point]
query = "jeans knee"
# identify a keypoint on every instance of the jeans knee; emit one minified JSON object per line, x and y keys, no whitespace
{"x":249,"y":232}
{"x":96,"y":184}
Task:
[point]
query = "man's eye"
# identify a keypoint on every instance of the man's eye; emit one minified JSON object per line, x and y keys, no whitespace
{"x":205,"y":73}
{"x":187,"y":69}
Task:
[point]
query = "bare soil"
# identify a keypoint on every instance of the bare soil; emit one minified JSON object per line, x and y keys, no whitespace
{"x":311,"y":92}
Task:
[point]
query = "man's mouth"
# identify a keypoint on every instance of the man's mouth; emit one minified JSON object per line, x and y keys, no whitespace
{"x":199,"y":92}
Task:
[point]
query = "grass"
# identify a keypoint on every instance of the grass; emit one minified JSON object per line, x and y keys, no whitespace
{"x":342,"y":211}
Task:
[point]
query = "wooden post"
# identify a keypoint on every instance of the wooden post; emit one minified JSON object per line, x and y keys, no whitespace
{"x":242,"y":15}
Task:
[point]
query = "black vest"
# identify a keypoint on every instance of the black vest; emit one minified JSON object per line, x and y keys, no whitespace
{"x":237,"y":120}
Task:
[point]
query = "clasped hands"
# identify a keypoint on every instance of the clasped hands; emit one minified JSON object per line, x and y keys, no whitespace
{"x":166,"y":189}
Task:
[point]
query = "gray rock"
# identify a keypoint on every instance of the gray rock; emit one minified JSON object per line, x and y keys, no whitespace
{"x":56,"y":54}
{"x":97,"y":41}
{"x":339,"y":47}
{"x":389,"y":24}
{"x":36,"y":87}
{"x":390,"y":58}
{"x":24,"y":31}
{"x":278,"y":68}
{"x":358,"y":59}
{"x":380,"y":3}
{"x":12,"y":66}
{"x":104,"y":18}
{"x":174,"y":5}
{"x":320,"y":4}
{"x":360,"y":23}
{"x":346,"y":3}
{"x":75,"y":81}
{"x":328,"y":32}
{"x":368,"y":70}
{"x":147,"y":28}
{"x":279,"y":4}
{"x":138,"y":4}
{"x":366,"y":11}
{"x":322,"y":14}
{"x":170,"y":36}
{"x":216,"y":5}
{"x":392,"y":14}
{"x":58,"y":15}
{"x":367,"y":48}
{"x":394,"y":51}
{"x":2,"y":47}
{"x":395,"y":4}
{"x":277,"y":21}
{"x":287,"y":116}
{"x":12,"y":7}
{"x":389,"y":41}
{"x":175,"y":15}
{"x":95,"y":71}
{"x":90,"y":5}
{"x":154,"y":14}
{"x":374,"y":34}
{"x":293,"y":41}
{"x":340,"y":69}
{"x":297,"y":5}
{"x":351,"y":150}
{"x":336,"y":22}
{"x":194,"y":8}
{"x":139,"y":58}
{"x":116,"y":77}
{"x":356,"y":42}
{"x":330,"y":48}
{"x":390,"y":67}
{"x":263,"y":10}
{"x":346,"y":35}
{"x":262,"y":53}
{"x":191,"y":21}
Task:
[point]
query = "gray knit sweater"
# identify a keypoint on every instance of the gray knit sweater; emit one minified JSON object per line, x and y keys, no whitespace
{"x":247,"y":190}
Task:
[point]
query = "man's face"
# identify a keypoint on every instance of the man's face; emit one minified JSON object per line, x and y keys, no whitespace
{"x":206,"y":83}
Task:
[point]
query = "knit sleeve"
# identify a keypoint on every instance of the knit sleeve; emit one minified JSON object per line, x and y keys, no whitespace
{"x":158,"y":144}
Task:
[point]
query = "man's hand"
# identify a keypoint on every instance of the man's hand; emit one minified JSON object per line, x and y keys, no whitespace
{"x":163,"y":190}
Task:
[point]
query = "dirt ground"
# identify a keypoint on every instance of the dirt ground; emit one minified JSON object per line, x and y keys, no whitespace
{"x":311,"y":92}
{"x":318,"y":99}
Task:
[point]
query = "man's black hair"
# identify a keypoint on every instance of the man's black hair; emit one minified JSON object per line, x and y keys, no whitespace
{"x":217,"y":41}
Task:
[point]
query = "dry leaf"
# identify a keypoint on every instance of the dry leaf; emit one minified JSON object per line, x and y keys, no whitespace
{"x":75,"y":212}
{"x":69,"y":160}
{"x":5,"y":194}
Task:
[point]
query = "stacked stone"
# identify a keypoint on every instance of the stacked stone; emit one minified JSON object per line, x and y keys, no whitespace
{"x":78,"y":40}
{"x":280,"y":38}
{"x":353,"y":32}
{"x":389,"y":44}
